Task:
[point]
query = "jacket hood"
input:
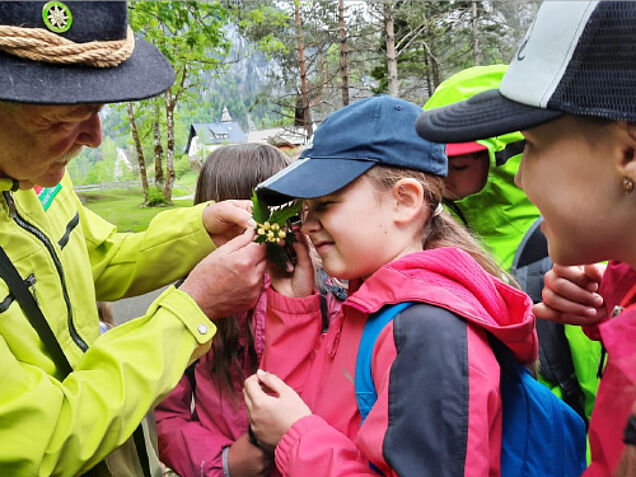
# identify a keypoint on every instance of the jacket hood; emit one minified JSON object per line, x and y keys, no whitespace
{"x":451,"y":279}
{"x":500,"y":213}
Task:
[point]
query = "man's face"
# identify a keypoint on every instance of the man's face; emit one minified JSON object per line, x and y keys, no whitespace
{"x":467,"y":174}
{"x":37,"y":141}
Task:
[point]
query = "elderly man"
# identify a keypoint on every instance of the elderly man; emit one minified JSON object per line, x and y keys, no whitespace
{"x":69,"y":397}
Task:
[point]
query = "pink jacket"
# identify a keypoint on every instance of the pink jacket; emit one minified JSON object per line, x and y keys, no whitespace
{"x":438,"y":411}
{"x":192,"y":443}
{"x":617,"y":390}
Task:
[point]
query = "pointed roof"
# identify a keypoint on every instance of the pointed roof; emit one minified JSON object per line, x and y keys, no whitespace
{"x":225,"y":117}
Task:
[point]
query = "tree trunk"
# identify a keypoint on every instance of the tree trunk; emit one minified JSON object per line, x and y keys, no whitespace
{"x":140,"y":151}
{"x":171,"y":103}
{"x":169,"y":179}
{"x":158,"y":149}
{"x":304,"y":90}
{"x":343,"y":54}
{"x":436,"y":79}
{"x":391,"y":56}
{"x":429,"y":84}
{"x":475,"y":25}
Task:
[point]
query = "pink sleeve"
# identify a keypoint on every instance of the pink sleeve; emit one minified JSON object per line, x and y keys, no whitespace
{"x":292,"y":333}
{"x":301,"y":452}
{"x":184,"y":444}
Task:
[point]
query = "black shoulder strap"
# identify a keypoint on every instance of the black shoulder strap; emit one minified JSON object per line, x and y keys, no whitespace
{"x":533,"y":246}
{"x":32,"y":311}
{"x":556,"y":366}
{"x":37,"y":320}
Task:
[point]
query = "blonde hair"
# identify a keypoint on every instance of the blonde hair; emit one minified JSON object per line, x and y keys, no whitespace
{"x":440,"y":230}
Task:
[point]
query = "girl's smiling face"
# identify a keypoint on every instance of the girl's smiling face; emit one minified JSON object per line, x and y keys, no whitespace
{"x":355,"y":230}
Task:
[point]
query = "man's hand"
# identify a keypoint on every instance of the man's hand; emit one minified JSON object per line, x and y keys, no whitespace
{"x":570,"y":295}
{"x":272,"y":406}
{"x":227,"y":219}
{"x":247,"y":460}
{"x":230,"y":279}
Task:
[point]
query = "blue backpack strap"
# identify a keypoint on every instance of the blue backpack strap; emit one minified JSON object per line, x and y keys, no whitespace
{"x":366,"y":394}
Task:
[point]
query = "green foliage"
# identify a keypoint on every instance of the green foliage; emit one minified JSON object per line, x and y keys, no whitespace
{"x":155,"y":197}
{"x":260,"y":211}
{"x":181,"y":165}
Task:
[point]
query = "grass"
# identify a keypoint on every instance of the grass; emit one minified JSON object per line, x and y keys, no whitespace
{"x":124,"y":207}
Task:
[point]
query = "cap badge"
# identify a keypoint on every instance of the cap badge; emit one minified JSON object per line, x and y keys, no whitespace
{"x":57,"y":17}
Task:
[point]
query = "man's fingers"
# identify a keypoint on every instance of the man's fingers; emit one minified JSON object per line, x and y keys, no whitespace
{"x":240,"y":241}
{"x":231,"y":212}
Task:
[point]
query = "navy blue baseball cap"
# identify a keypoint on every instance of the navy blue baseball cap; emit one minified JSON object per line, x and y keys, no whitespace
{"x":376,"y":130}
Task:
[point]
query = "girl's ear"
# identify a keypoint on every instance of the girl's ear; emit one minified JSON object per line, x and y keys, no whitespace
{"x":408,"y":195}
{"x":627,"y":164}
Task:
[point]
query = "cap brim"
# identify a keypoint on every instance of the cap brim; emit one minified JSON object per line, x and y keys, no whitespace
{"x":145,"y":74}
{"x":462,"y":148}
{"x":309,"y":178}
{"x":487,"y":114}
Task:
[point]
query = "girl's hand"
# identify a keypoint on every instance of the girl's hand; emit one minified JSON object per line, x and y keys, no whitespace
{"x":570,"y":295}
{"x":272,"y":406}
{"x":299,"y":279}
{"x":247,"y":460}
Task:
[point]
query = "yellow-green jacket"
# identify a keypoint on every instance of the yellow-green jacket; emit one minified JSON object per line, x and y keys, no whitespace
{"x":70,"y":258}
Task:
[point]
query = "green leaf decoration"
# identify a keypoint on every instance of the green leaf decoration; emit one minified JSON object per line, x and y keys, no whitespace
{"x":260,"y":211}
{"x":280,"y":216}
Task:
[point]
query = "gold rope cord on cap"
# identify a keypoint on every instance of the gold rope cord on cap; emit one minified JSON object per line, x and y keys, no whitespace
{"x":39,"y":44}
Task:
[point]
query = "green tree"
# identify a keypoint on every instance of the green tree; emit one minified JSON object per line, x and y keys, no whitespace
{"x":191,"y":34}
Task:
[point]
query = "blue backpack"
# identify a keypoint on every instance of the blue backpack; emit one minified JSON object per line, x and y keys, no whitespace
{"x":541,"y":436}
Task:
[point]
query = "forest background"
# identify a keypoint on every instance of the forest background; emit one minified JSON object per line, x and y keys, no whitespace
{"x":283,"y":63}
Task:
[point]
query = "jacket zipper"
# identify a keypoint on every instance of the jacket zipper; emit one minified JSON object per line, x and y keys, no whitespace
{"x":33,"y":230}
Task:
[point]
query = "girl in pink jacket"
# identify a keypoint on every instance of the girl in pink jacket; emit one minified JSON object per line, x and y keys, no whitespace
{"x":373,"y":192}
{"x":202,"y":424}
{"x":571,"y":91}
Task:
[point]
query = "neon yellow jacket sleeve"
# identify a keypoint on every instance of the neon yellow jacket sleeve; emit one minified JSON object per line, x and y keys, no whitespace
{"x":51,"y":425}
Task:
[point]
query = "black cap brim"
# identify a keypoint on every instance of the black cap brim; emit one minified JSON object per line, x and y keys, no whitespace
{"x":487,"y":114}
{"x":145,"y":74}
{"x":309,"y":178}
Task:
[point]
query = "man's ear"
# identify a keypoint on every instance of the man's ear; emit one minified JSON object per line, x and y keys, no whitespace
{"x":408,"y":195}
